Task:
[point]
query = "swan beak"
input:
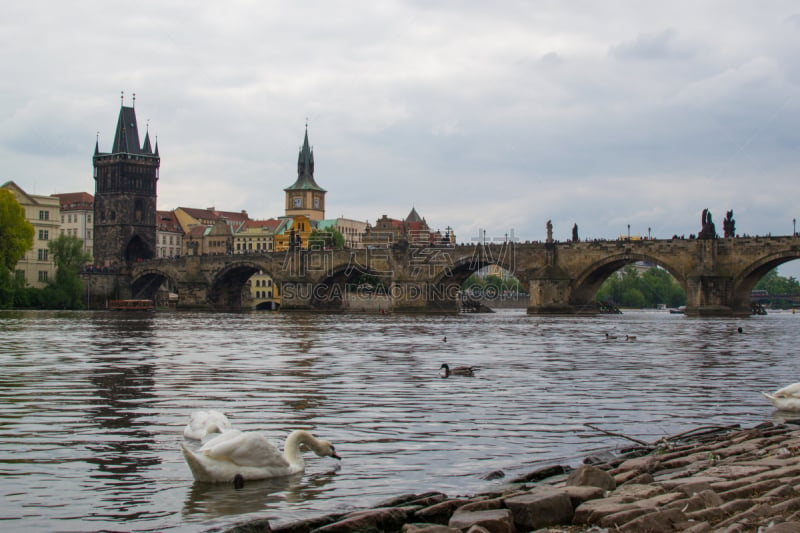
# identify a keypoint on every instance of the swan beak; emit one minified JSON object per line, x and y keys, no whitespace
{"x":335,"y":456}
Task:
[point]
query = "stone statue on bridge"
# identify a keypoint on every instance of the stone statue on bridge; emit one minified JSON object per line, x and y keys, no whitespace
{"x":729,"y":225}
{"x":575,"y":233}
{"x":549,"y":231}
{"x":709,"y":231}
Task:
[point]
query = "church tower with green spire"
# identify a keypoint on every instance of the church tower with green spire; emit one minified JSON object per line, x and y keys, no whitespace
{"x":304,"y":196}
{"x":125,"y":195}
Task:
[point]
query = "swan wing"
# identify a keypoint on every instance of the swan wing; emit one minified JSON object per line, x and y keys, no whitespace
{"x":203,"y":423}
{"x":244,"y":449}
{"x":789,"y":391}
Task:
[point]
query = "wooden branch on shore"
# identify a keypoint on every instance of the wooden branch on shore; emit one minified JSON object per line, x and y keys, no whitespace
{"x":613,"y":434}
{"x":695,"y":432}
{"x":703,"y":430}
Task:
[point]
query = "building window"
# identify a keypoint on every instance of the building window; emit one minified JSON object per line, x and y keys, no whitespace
{"x":43,"y":275}
{"x":43,"y":254}
{"x":44,"y":215}
{"x":88,"y":234}
{"x":89,"y":219}
{"x":298,"y":202}
{"x":316,"y":203}
{"x":44,"y":235}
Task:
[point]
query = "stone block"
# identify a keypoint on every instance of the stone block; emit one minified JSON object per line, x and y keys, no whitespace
{"x":493,"y":520}
{"x":623,"y":517}
{"x":578,"y":495}
{"x":428,"y":528}
{"x":593,"y":511}
{"x":541,"y":509}
{"x":750,"y":490}
{"x":632,"y":492}
{"x":439,"y":513}
{"x":591,"y":476}
{"x":785,"y":527}
{"x":482,"y":505}
{"x":693,"y":487}
{"x":665,"y":521}
{"x":380,"y":519}
{"x":429,"y":498}
{"x":648,"y":463}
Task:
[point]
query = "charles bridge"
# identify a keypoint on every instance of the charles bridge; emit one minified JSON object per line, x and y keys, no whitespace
{"x":561,"y":277}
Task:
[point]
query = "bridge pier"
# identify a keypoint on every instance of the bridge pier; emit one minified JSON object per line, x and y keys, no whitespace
{"x":550,"y":291}
{"x":710,"y":295}
{"x":413,"y":296}
{"x":297,"y":296}
{"x":100,"y":287}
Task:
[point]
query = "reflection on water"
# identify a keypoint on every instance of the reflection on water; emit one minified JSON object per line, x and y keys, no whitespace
{"x":208,"y":500}
{"x":94,"y":403}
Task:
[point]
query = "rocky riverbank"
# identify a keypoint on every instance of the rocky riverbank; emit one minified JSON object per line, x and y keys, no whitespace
{"x":709,"y":480}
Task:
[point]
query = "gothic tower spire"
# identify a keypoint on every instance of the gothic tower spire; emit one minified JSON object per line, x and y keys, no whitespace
{"x":304,"y":196}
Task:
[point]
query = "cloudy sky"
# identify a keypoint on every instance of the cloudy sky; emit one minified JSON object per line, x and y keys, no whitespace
{"x":481,"y":115}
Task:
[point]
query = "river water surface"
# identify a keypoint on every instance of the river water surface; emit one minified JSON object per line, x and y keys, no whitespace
{"x":94,"y":403}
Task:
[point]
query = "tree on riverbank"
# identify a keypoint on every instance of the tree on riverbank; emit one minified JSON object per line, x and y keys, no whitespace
{"x":63,"y":292}
{"x":67,"y":289}
{"x":16,"y":238}
{"x":491,"y":286}
{"x":626,"y":288}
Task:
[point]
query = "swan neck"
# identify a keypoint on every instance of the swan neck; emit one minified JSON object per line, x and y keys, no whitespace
{"x":291,"y":449}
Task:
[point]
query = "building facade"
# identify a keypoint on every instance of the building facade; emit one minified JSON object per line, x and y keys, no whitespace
{"x":264,"y":293}
{"x":352,"y":230}
{"x":169,"y":235}
{"x":125,"y":195}
{"x":36,"y":268}
{"x":255,"y":236}
{"x":77,"y":212}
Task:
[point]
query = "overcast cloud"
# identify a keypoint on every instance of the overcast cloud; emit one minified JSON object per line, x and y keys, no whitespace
{"x":495,"y":116}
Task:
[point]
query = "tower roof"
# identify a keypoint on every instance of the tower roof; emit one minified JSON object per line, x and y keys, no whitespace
{"x":126,"y":136}
{"x":413,"y":216}
{"x":305,"y":170}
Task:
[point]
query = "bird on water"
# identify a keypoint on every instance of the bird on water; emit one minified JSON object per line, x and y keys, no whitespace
{"x":445,"y":371}
{"x":237,"y":456}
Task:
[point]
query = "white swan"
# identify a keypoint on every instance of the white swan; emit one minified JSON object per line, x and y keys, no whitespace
{"x":787,"y":398}
{"x":248,"y":455}
{"x":446,"y":371}
{"x":204,"y":423}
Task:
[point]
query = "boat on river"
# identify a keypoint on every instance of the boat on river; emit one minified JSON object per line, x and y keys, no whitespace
{"x":131,"y":305}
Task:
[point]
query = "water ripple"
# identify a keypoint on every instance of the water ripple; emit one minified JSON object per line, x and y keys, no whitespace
{"x":93,"y":403}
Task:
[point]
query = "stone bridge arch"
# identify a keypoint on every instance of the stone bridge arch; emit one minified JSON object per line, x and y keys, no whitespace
{"x":750,"y":275}
{"x":146,"y":284}
{"x":228,"y":284}
{"x":588,"y":281}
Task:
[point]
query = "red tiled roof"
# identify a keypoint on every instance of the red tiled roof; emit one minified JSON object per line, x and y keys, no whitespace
{"x":271,"y":223}
{"x":167,"y":221}
{"x":75,"y":200}
{"x":211,"y":213}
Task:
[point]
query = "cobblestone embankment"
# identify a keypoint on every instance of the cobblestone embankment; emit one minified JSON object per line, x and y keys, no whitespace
{"x":723,"y":480}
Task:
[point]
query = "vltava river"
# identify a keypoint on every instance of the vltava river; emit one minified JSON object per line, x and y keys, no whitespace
{"x":94,"y":403}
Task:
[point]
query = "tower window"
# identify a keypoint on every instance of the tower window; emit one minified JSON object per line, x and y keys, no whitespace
{"x":298,"y":202}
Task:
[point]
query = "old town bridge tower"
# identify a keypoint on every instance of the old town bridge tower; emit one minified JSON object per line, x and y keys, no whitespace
{"x":125,"y":195}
